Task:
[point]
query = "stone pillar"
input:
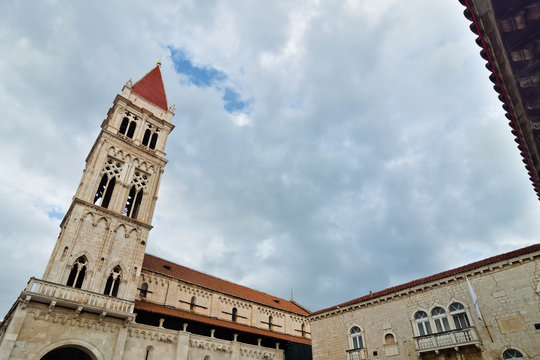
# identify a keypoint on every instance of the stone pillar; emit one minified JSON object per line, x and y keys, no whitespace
{"x":182,"y":347}
{"x":12,"y":332}
{"x":120,"y":343}
{"x":235,"y":349}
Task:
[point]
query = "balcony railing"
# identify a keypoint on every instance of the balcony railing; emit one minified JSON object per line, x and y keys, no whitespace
{"x":357,"y":354}
{"x":447,"y":339}
{"x":48,"y":292}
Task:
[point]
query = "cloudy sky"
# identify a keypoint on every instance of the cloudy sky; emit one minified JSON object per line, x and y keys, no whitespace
{"x":329,"y":147}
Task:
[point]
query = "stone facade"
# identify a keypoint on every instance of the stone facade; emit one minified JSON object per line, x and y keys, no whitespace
{"x":43,"y":329}
{"x":175,"y":293}
{"x":392,"y":326}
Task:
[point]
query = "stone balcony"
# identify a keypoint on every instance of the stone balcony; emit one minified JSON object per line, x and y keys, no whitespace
{"x":446,"y":340}
{"x":60,"y":295}
{"x":357,"y":354}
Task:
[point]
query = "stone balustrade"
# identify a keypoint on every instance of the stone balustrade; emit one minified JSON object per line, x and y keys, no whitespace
{"x":357,"y":354}
{"x":61,"y":295}
{"x":447,"y":339}
{"x":199,"y":345}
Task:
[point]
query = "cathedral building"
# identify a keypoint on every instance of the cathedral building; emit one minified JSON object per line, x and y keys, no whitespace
{"x":103,"y":297}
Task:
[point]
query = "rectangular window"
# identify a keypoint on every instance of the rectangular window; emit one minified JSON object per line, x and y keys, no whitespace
{"x":357,"y":342}
{"x":461,"y":321}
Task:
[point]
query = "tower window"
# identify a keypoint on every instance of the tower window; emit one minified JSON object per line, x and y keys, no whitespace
{"x":78,"y":271}
{"x":108,"y":193}
{"x":131,"y":129}
{"x":101,"y":189}
{"x":133,"y":202}
{"x":129,"y":201}
{"x":137,"y":204}
{"x":105,"y":189}
{"x":153,"y":141}
{"x":123,"y":126}
{"x":146,"y":137}
{"x":113,"y":282}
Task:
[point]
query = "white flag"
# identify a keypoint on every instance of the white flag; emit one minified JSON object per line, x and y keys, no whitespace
{"x":474,"y":299}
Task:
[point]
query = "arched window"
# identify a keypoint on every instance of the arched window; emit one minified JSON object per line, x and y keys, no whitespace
{"x":355,"y":337}
{"x":133,"y":202}
{"x":440,"y":319}
{"x":129,"y":201}
{"x":512,"y":354}
{"x":78,"y":271}
{"x":149,"y":352}
{"x":144,"y":290}
{"x":123,"y":126}
{"x":131,"y":129}
{"x":234,"y":314}
{"x":459,"y":315}
{"x":137,"y":204}
{"x":146,"y":137}
{"x":104,"y":191}
{"x":192,"y":303}
{"x":422,"y":323}
{"x":108,"y":193}
{"x":101,"y":189}
{"x":389,"y":339}
{"x":270,"y":322}
{"x":153,"y":141}
{"x":113,"y":282}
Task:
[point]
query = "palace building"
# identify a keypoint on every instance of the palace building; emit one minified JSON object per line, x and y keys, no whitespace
{"x":102,"y":297}
{"x":486,"y":310}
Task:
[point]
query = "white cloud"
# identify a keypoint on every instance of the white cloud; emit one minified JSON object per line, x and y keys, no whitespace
{"x":374,"y":139}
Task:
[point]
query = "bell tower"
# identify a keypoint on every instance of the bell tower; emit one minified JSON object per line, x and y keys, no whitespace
{"x":104,"y":233}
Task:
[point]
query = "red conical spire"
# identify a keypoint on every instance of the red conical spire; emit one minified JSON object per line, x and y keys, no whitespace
{"x":150,"y":88}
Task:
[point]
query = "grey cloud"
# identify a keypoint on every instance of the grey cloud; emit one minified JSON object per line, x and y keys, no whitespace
{"x":377,"y":151}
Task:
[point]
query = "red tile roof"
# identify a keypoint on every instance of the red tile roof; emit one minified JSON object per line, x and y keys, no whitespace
{"x":500,"y":59}
{"x":160,"y":309}
{"x":150,"y":88}
{"x":153,"y":263}
{"x":439,"y":276}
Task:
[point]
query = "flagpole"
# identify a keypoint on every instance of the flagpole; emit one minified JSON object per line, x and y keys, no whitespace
{"x":477,"y":308}
{"x":487,"y":328}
